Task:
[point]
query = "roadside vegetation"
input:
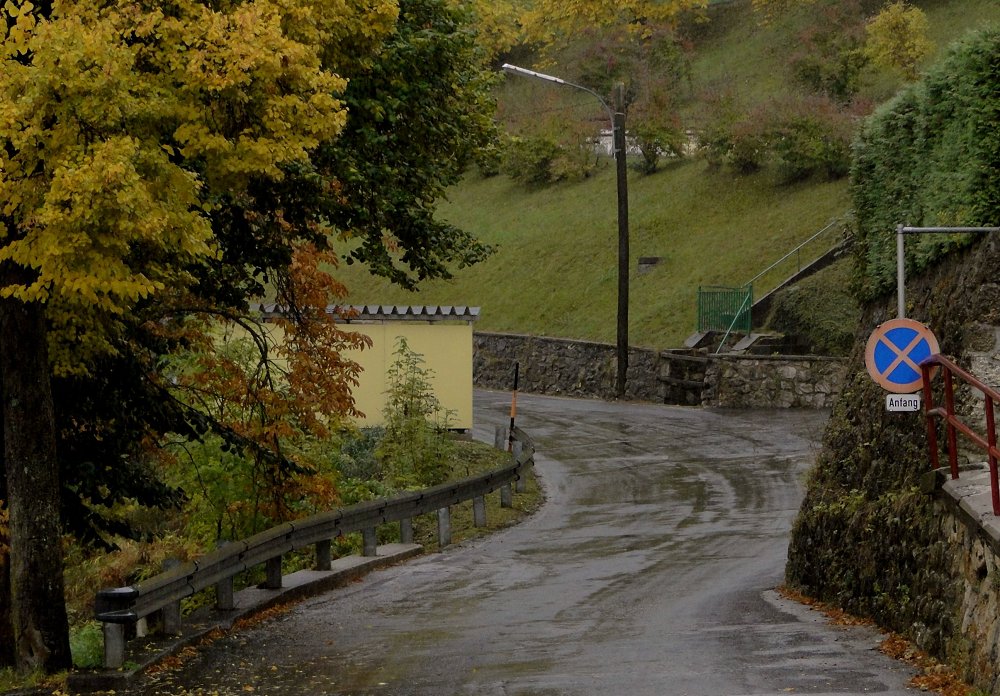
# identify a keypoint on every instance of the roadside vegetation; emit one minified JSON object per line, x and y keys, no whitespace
{"x":168,"y":167}
{"x":716,"y":215}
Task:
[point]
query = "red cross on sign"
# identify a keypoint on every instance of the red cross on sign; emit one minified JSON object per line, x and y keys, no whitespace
{"x":894,"y":353}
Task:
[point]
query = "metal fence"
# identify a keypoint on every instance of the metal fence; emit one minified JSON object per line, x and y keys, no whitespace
{"x":724,"y":309}
{"x":119,"y":607}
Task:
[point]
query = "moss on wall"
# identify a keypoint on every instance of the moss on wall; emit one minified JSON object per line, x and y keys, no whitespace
{"x":865,"y":537}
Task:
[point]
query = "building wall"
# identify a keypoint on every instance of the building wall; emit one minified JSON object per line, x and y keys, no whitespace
{"x":447,"y":355}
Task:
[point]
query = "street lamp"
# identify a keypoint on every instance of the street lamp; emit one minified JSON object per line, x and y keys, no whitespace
{"x":617,"y":118}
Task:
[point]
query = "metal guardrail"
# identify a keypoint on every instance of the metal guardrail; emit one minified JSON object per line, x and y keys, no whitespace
{"x":954,"y":425}
{"x":122,"y":606}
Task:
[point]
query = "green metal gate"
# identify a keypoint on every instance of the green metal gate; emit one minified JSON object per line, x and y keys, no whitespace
{"x":724,"y":309}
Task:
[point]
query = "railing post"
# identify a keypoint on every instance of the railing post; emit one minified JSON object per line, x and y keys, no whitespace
{"x":521,"y":485}
{"x":932,"y":442}
{"x":479,"y":511}
{"x":369,"y":542}
{"x":224,"y":597}
{"x":499,"y":437}
{"x":171,"y":613}
{"x":406,"y":530}
{"x":506,"y":496}
{"x":949,"y":406}
{"x":324,"y":558}
{"x":114,"y":645}
{"x":991,"y":439}
{"x":273,"y":573}
{"x":444,"y":527}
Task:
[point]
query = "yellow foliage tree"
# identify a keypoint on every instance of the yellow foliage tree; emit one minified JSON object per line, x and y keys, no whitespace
{"x":897,"y":39}
{"x":122,"y":126}
{"x":548,"y":22}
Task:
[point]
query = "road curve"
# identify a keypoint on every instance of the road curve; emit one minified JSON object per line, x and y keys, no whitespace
{"x":648,"y":572}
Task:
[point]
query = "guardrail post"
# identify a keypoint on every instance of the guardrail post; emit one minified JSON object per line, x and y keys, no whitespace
{"x":521,"y":484}
{"x":500,"y":437}
{"x":479,"y":511}
{"x":273,"y":573}
{"x":224,"y":588}
{"x":444,"y":527}
{"x":406,"y":530}
{"x":224,"y":599}
{"x":369,"y":543}
{"x":171,"y":613}
{"x":506,"y":496}
{"x":114,"y":645}
{"x":324,"y":559}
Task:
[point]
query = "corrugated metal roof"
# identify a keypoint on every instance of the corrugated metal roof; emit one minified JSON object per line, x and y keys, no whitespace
{"x":409,"y":312}
{"x":360,"y":313}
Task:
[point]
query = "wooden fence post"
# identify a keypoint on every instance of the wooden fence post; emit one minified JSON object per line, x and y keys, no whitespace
{"x":171,"y":613}
{"x":506,"y":496}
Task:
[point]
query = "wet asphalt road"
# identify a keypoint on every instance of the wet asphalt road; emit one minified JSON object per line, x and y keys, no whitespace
{"x":649,"y":571}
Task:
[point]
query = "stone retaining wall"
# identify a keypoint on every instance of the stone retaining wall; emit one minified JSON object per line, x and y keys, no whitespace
{"x":970,"y":558}
{"x":774,"y":381}
{"x":685,"y":377}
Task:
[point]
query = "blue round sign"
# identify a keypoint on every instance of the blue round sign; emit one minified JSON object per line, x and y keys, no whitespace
{"x":894,"y":353}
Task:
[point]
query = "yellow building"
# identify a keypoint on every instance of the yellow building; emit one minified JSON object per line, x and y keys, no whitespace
{"x":442,"y":335}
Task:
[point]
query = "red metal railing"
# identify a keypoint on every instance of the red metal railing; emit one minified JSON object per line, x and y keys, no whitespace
{"x":953,"y":425}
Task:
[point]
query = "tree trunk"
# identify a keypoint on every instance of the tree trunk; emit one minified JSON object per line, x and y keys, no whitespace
{"x":6,"y":619}
{"x":41,"y":629}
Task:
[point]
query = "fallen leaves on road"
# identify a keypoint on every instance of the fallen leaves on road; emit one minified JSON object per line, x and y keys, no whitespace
{"x":934,"y":676}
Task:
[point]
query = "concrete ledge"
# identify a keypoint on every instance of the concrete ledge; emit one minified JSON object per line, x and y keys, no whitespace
{"x":971,"y":499}
{"x":248,"y":602}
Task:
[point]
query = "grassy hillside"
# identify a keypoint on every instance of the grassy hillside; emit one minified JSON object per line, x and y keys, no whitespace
{"x":554,"y":272}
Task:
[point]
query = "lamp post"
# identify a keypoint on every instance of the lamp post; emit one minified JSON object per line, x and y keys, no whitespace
{"x":617,"y":117}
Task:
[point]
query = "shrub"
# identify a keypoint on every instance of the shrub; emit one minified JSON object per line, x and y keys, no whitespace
{"x":528,"y":159}
{"x":812,"y":138}
{"x":820,"y":311}
{"x":929,"y":158}
{"x":416,"y":447}
{"x":794,"y":138}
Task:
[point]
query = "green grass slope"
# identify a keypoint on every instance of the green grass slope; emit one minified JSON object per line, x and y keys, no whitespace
{"x":555,"y":269}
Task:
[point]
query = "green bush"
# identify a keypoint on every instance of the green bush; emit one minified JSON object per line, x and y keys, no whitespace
{"x":529,"y":159}
{"x":416,"y":448}
{"x":811,"y":138}
{"x":820,"y":311}
{"x":929,"y":157}
{"x":86,"y":643}
{"x":795,"y":139}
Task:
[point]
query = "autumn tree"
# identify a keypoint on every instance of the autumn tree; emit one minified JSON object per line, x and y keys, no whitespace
{"x":829,"y":56}
{"x":654,"y":69}
{"x":552,"y":22}
{"x":167,"y":164}
{"x":897,"y":39}
{"x":123,"y":126}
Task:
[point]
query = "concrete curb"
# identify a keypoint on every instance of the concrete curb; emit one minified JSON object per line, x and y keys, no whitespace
{"x":249,"y":602}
